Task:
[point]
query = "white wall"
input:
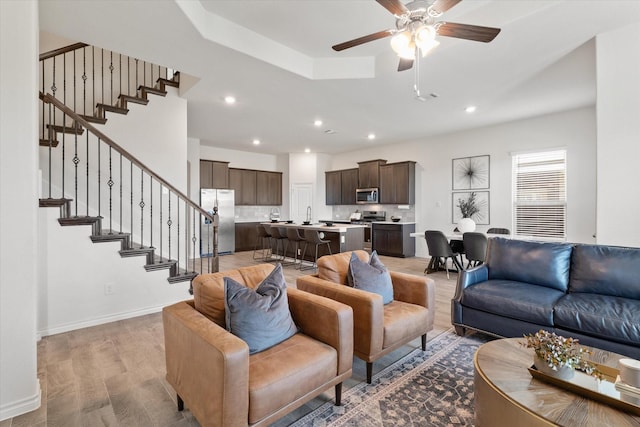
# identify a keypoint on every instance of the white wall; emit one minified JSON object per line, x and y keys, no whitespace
{"x":19,"y":386}
{"x":618,"y":89}
{"x":573,"y":130}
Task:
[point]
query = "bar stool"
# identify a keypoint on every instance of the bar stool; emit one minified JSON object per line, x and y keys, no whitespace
{"x":280,"y":237}
{"x":262,"y":237}
{"x":313,"y":237}
{"x":294,"y":237}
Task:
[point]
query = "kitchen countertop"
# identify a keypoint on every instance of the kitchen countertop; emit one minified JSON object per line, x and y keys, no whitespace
{"x":342,"y":228}
{"x":393,"y":222}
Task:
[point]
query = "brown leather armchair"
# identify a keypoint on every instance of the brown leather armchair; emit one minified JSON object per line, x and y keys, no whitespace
{"x":377,"y":329}
{"x":214,"y":375}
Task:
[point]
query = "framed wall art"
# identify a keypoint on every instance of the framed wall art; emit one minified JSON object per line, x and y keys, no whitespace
{"x":480,"y":200}
{"x":470,"y":173}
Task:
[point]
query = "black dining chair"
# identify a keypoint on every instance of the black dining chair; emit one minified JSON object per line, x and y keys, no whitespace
{"x":313,"y":237}
{"x":440,"y":250}
{"x":498,"y":231}
{"x":263,"y":243}
{"x":475,"y":248}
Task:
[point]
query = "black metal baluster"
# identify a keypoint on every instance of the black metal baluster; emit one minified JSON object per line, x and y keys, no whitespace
{"x":74,"y":81}
{"x":141,"y":208}
{"x":178,"y":232}
{"x":169,"y":224}
{"x":102,"y":78}
{"x":93,"y":77}
{"x":120,"y":72}
{"x":128,"y":75}
{"x":161,"y":210}
{"x":64,"y":115}
{"x":76,"y":160}
{"x":151,"y":211}
{"x":84,"y":82}
{"x":99,"y":180}
{"x":121,"y":193}
{"x":87,"y":162}
{"x":144,"y":73}
{"x":136,"y":88}
{"x":193,"y":240}
{"x":131,"y":201}
{"x":186,"y":236}
{"x":50,"y":144}
{"x":44,"y":135}
{"x":110,"y":184}
{"x":199,"y":224}
{"x":111,"y":77}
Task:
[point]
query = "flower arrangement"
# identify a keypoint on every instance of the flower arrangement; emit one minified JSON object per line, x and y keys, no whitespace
{"x":557,"y":352}
{"x":468,"y":207}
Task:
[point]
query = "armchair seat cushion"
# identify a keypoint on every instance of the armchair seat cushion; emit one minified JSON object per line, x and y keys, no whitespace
{"x":516,"y":300}
{"x":604,"y":316}
{"x":275,"y":375}
{"x":402,"y":322}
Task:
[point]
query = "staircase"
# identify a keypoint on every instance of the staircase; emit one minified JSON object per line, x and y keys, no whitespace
{"x":98,"y":178}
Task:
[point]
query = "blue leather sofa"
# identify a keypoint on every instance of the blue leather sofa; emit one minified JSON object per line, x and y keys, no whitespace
{"x":589,"y":292}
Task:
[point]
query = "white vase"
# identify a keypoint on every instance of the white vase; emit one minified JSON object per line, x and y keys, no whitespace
{"x":466,"y":225}
{"x":563,"y":373}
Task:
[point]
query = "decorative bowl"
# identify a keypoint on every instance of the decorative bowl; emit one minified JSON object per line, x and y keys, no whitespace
{"x":290,"y":221}
{"x":395,"y":219}
{"x":630,"y":372}
{"x":274,"y":221}
{"x":328,"y":223}
{"x":307,"y":223}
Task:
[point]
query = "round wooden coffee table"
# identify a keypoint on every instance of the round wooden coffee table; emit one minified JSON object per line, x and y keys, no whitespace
{"x":507,"y":395}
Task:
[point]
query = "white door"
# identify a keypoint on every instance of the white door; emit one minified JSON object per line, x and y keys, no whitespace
{"x":301,"y":201}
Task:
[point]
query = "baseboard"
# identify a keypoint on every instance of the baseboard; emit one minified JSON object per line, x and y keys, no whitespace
{"x":98,"y":321}
{"x":28,"y":404}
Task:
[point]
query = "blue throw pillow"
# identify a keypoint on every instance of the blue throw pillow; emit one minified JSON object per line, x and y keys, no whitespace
{"x":260,"y":317}
{"x":372,"y":277}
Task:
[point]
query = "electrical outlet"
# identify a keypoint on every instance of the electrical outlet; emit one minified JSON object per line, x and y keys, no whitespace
{"x":108,"y":289}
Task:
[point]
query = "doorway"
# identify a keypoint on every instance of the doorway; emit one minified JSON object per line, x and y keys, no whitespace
{"x":301,"y":200}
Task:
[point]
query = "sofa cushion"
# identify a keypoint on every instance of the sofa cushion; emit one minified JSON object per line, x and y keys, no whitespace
{"x":260,"y":317}
{"x":606,"y":270}
{"x":403,"y":321}
{"x":371,"y":277}
{"x":517,"y":300}
{"x":208,"y":289}
{"x":334,"y":267}
{"x":607,"y":317}
{"x":275,"y":374}
{"x":543,"y":264}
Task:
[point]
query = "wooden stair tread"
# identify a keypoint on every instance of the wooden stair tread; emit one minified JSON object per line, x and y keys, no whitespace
{"x":53,"y":203}
{"x":79,"y":220}
{"x":182,"y":277}
{"x":74,"y":130}
{"x":134,"y":99}
{"x":106,"y":237}
{"x":137,"y":251}
{"x":94,"y":119}
{"x":45,"y":142}
{"x":146,"y":89}
{"x":160,"y":265}
{"x":112,"y":109}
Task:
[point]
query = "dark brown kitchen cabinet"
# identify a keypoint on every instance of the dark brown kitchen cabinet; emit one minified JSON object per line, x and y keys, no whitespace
{"x":214,"y":174}
{"x":369,"y":173}
{"x":243,"y":181}
{"x":269,"y":188}
{"x":341,"y":187}
{"x":393,"y":239}
{"x":397,"y":183}
{"x":245,"y":236}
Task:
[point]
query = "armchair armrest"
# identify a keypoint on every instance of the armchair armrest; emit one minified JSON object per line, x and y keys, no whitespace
{"x":325,"y":320}
{"x":368,"y":312}
{"x":415,"y":290}
{"x":206,"y":365}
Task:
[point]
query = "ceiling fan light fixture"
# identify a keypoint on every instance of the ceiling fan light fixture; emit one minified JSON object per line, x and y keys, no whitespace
{"x":401,"y":43}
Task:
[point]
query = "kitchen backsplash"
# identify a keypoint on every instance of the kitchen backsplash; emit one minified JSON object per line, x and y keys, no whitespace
{"x":344,"y":211}
{"x":255,"y":213}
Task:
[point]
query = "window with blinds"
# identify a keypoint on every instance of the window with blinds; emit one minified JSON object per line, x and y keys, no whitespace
{"x":540,"y":194}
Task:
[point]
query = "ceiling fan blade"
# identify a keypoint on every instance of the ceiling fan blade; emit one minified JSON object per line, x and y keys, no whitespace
{"x":444,"y":5}
{"x":362,"y":40}
{"x":394,"y":6}
{"x":405,"y":64}
{"x":468,"y":32}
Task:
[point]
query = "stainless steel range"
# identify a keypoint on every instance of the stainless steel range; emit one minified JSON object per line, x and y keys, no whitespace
{"x":366,"y":219}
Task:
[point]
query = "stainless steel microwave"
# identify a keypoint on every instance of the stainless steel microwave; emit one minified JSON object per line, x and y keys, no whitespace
{"x":366,"y":195}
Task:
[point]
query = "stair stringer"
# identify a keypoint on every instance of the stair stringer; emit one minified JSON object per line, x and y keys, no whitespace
{"x":76,"y":275}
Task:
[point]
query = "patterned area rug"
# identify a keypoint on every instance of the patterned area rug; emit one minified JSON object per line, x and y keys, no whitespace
{"x":431,"y":388}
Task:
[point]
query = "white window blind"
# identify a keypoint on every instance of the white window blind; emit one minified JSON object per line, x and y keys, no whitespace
{"x":540,"y":195}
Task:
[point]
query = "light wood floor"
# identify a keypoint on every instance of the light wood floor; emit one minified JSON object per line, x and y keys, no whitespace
{"x":113,"y":374}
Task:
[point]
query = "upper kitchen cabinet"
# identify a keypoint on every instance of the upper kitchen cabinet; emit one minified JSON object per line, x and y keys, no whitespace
{"x":369,"y":173}
{"x":254,"y":187}
{"x":397,"y":183}
{"x":341,"y":187}
{"x":269,"y":188}
{"x":214,"y":174}
{"x":243,"y":181}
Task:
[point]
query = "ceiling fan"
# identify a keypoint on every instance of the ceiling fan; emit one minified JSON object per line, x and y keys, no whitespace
{"x":416,"y":29}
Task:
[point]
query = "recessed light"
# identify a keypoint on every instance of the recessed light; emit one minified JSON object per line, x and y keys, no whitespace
{"x":317,"y":123}
{"x":230,"y":99}
{"x":256,"y":142}
{"x":371,"y":136}
{"x":307,"y":150}
{"x":470,"y":109}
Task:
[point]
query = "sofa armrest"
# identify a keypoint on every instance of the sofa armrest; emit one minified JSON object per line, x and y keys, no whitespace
{"x":324,"y":320}
{"x":415,"y":290}
{"x":470,"y":277}
{"x":368,"y":312}
{"x":206,"y":365}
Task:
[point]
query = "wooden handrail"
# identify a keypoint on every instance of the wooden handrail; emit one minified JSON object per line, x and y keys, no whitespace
{"x":62,"y":50}
{"x":48,"y":98}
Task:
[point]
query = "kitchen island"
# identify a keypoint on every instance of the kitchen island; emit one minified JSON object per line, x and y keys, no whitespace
{"x":343,"y":237}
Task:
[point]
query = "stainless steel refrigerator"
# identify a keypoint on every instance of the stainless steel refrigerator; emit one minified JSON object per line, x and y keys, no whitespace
{"x":225,"y":201}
